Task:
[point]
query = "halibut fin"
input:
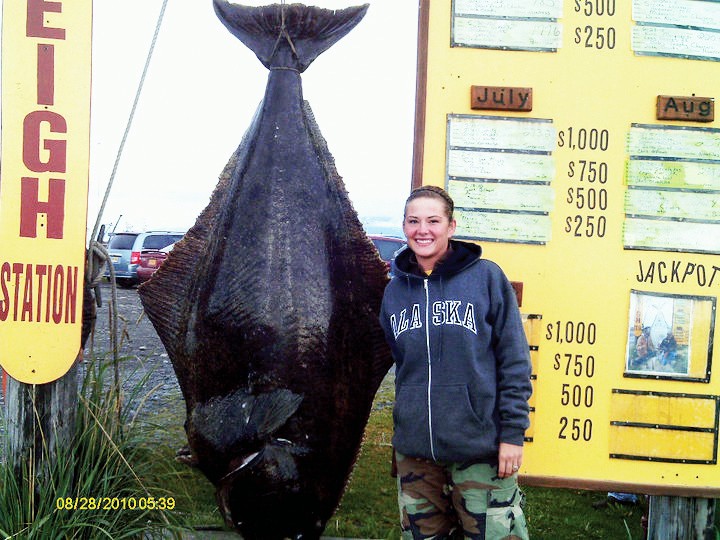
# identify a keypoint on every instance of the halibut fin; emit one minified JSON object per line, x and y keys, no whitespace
{"x":308,"y":30}
{"x":243,"y":419}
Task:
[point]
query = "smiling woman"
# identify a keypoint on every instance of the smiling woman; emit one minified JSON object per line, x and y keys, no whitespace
{"x":462,"y":374}
{"x":429,"y":225}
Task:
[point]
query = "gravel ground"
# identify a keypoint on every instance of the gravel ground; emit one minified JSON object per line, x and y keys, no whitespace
{"x":144,"y":363}
{"x":142,"y":355}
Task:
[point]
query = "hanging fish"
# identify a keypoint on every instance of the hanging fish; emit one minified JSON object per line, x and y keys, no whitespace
{"x":268,"y":307}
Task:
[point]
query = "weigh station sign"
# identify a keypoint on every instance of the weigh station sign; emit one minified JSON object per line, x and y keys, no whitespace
{"x":43,"y":184}
{"x":579,"y":141}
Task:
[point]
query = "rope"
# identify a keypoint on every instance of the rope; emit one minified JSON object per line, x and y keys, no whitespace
{"x":97,"y":255}
{"x":283,"y":33}
{"x":127,"y":130}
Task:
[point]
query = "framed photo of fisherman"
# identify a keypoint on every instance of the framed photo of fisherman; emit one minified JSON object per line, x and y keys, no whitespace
{"x":670,"y":336}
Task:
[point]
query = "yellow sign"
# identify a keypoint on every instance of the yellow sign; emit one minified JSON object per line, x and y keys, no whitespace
{"x":578,"y":140}
{"x":46,"y":48}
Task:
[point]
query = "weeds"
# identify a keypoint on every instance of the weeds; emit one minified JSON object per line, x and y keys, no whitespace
{"x":369,"y":506}
{"x":118,"y":457}
{"x":100,"y":486}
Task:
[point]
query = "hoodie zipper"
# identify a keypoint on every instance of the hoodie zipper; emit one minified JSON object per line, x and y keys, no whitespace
{"x":429,"y":361}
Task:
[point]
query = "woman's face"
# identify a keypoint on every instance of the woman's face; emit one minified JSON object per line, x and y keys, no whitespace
{"x":428,"y":230}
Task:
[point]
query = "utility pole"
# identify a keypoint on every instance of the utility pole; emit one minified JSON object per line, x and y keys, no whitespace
{"x":40,"y":419}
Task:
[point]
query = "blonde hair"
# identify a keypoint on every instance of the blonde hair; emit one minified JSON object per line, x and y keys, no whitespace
{"x":434,"y":192}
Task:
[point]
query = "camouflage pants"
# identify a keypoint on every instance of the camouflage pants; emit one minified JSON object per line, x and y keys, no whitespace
{"x":453,"y":500}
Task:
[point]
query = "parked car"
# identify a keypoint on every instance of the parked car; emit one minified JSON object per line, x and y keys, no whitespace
{"x":150,"y":261}
{"x":387,"y":246}
{"x":125,"y":249}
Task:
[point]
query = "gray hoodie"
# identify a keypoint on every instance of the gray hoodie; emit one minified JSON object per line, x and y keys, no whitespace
{"x":462,"y":360}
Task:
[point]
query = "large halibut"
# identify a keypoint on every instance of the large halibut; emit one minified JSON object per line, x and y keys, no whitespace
{"x":268,"y":307}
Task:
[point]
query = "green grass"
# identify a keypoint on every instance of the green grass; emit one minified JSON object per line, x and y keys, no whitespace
{"x":193,"y":492}
{"x":369,"y":506}
{"x":569,"y":514}
{"x":138,"y":461}
{"x":111,"y":459}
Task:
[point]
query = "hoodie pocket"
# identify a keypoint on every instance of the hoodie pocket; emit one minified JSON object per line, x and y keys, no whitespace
{"x":410,"y":417}
{"x":458,"y":432}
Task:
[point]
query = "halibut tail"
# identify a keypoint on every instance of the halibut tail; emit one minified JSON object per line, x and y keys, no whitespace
{"x":308,"y":30}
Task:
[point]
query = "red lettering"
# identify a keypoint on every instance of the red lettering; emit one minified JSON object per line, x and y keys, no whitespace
{"x":17,"y":270}
{"x":40,"y":271}
{"x":71,"y":295}
{"x":30,"y":207}
{"x":5,"y":302}
{"x":47,"y":296}
{"x":58,"y":287}
{"x":44,"y":288}
{"x":57,"y":149}
{"x":27,"y":295}
{"x":46,"y":74}
{"x":35,"y":26}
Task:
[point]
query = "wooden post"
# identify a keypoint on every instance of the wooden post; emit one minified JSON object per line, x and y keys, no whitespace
{"x":39,"y":418}
{"x":681,"y":518}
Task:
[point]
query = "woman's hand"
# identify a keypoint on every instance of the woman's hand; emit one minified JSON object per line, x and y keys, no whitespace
{"x":509,"y":459}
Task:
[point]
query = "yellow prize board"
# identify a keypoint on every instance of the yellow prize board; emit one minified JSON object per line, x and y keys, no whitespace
{"x":43,"y":184}
{"x":578,"y":139}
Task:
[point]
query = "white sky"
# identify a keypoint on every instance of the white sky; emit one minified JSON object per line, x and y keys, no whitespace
{"x":204,"y":85}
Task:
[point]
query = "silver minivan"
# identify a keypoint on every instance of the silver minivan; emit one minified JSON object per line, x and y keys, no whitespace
{"x":125,"y":248}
